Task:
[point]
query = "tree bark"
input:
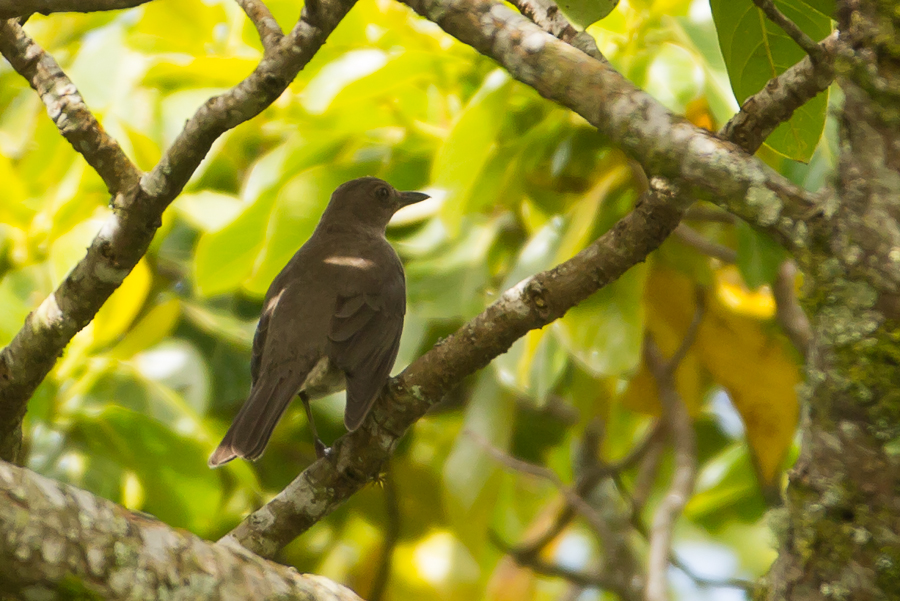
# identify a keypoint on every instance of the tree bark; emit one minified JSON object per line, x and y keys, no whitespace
{"x":840,"y":529}
{"x":57,"y":541}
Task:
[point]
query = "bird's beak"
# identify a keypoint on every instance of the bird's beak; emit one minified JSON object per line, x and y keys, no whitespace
{"x":411,"y":198}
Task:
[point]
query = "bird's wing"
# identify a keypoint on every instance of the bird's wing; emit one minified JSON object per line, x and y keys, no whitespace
{"x":283,"y":356}
{"x":259,"y":342}
{"x":364,"y":340}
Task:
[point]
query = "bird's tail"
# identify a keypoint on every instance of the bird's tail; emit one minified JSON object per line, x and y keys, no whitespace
{"x":250,"y":432}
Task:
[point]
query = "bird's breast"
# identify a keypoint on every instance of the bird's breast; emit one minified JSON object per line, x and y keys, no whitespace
{"x":324,"y":379}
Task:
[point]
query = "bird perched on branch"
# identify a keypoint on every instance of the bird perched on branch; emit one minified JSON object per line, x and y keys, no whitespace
{"x":332,"y":318}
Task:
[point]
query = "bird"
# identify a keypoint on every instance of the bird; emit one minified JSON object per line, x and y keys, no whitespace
{"x":331,"y":319}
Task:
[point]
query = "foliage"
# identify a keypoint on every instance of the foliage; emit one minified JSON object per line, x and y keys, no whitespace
{"x":145,"y":392}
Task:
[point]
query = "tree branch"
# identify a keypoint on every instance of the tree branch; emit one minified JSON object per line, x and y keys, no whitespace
{"x":776,"y":102}
{"x":694,"y":239}
{"x":54,"y":537}
{"x":665,"y":144}
{"x":681,"y":430}
{"x":137,"y":213}
{"x":536,"y":301}
{"x":357,"y":457}
{"x":548,"y":17}
{"x":790,"y":28}
{"x":21,"y":8}
{"x":788,"y":312}
{"x":67,"y":108}
{"x":269,"y":31}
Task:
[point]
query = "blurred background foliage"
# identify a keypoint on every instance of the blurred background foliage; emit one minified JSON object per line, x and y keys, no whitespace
{"x":143,"y":394}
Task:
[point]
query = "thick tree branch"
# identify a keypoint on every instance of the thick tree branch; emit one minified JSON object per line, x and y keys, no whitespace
{"x":137,"y":213}
{"x":666,"y":145}
{"x":54,"y":537}
{"x":357,"y":458}
{"x":22,"y":8}
{"x":67,"y":109}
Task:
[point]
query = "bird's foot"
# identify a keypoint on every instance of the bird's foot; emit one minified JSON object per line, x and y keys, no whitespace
{"x":321,"y":450}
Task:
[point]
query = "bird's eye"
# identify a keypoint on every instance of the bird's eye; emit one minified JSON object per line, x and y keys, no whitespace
{"x":382,"y":193}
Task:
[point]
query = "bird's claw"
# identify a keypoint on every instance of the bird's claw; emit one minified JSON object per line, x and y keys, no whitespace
{"x":321,"y":450}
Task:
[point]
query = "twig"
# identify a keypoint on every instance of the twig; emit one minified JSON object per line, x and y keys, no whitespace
{"x":809,"y":46}
{"x":699,"y":212}
{"x":22,"y":8}
{"x":615,"y":576}
{"x":682,"y":483}
{"x":776,"y":102}
{"x":548,"y":17}
{"x":391,"y":536}
{"x":580,"y":578}
{"x":665,"y":371}
{"x":647,"y":472}
{"x":738,"y":583}
{"x":269,"y":31}
{"x":580,"y":505}
{"x":67,"y":109}
{"x":788,"y":311}
{"x":591,"y":478}
{"x":641,"y":528}
{"x":692,"y":238}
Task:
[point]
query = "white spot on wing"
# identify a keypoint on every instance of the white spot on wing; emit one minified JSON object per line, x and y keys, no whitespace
{"x":357,"y":262}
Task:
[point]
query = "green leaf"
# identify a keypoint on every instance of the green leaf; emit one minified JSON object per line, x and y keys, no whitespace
{"x":469,"y":145}
{"x":725,"y":479}
{"x":178,"y":486}
{"x":69,"y":248}
{"x":207,"y":210}
{"x":534,"y":363}
{"x":604,"y":333}
{"x":323,"y":88}
{"x":451,"y":282}
{"x":470,"y":473}
{"x":294,"y":216}
{"x":170,"y":74}
{"x":176,"y":365}
{"x":150,"y":330}
{"x":756,"y":50}
{"x":167,"y":27}
{"x":225,"y":257}
{"x":583,"y":13}
{"x":120,"y":309}
{"x":758,"y":256}
{"x":221,"y":324}
{"x":400,"y":70}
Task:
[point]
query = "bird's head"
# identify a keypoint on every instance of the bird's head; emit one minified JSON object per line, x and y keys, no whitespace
{"x":368,"y":201}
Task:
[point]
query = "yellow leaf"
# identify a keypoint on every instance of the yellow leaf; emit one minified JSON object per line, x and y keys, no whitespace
{"x":122,"y":307}
{"x":510,"y":582}
{"x":150,"y":330}
{"x":735,"y":347}
{"x":580,"y":230}
{"x":670,"y":301}
{"x":732,"y":293}
{"x":759,"y":375}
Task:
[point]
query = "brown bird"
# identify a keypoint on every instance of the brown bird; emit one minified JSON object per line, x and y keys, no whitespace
{"x":331,"y":318}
